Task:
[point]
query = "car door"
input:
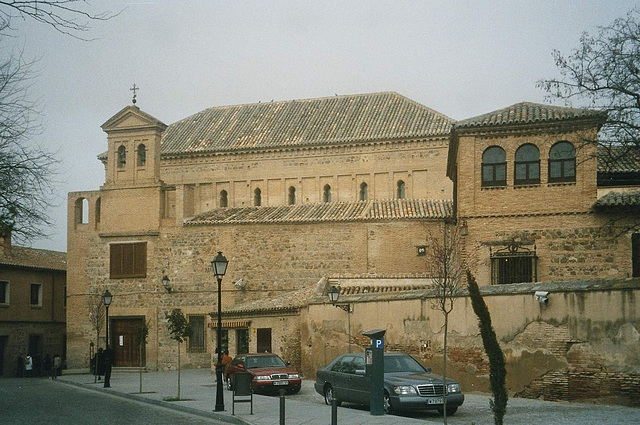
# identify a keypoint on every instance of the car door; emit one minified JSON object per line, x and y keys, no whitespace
{"x":341,"y":379}
{"x":360,"y":382}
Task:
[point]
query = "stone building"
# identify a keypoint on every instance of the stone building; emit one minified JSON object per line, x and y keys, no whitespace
{"x":347,"y":191}
{"x":32,"y":305}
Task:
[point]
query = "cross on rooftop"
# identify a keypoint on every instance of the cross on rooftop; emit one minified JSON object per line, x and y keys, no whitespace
{"x":134,"y":89}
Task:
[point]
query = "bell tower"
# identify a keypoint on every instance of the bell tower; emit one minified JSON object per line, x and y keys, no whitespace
{"x":130,"y":196}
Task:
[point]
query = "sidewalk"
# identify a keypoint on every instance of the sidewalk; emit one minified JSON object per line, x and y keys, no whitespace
{"x":198,"y":394}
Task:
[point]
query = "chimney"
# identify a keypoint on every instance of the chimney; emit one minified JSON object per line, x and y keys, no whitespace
{"x":5,"y":243}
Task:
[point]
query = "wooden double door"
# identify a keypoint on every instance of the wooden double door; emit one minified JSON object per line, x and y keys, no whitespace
{"x":125,"y":342}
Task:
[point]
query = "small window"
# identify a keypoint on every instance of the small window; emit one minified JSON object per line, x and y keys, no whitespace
{"x":363,"y":195}
{"x":4,"y":292}
{"x":494,"y":167}
{"x":122,"y":156}
{"x":400,"y":190}
{"x":527,"y":165}
{"x":562,"y":163}
{"x":224,"y":201}
{"x":81,"y":211}
{"x":142,"y":155}
{"x":128,"y":260}
{"x":292,"y":196}
{"x":326,"y":193}
{"x":196,"y":339}
{"x":257,"y":197}
{"x":36,"y":294}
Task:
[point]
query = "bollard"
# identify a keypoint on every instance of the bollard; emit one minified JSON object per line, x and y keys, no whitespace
{"x":282,"y":407}
{"x":334,"y":411}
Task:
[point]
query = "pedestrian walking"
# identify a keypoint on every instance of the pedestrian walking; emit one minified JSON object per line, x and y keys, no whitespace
{"x":46,"y":365}
{"x":57,"y":366}
{"x":108,"y":360}
{"x":28,"y":366}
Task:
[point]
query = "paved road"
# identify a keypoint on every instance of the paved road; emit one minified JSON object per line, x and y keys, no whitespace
{"x":520,"y":411}
{"x":304,"y":408}
{"x":43,"y":401}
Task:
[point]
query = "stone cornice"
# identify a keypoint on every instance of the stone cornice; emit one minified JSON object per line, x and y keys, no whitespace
{"x":372,"y":146}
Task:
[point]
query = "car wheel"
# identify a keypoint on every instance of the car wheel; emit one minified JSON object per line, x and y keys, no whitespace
{"x":450,"y":411}
{"x":229,"y":385}
{"x":328,"y":395}
{"x":386,"y":404}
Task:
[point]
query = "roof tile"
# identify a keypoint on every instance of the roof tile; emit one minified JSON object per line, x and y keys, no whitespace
{"x":326,"y":121}
{"x":527,"y":113}
{"x":329,"y":211}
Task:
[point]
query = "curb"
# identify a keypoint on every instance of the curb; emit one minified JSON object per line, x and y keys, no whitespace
{"x":209,"y":415}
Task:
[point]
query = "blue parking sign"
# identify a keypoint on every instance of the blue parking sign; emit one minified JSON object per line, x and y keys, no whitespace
{"x":378,"y":343}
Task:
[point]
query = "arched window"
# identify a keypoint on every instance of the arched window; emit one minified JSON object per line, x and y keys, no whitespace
{"x":494,"y":167}
{"x":364,"y":192}
{"x":292,"y":196}
{"x":81,"y":211}
{"x":527,"y":165}
{"x":224,"y":202}
{"x":326,"y":193}
{"x":400,"y":190}
{"x":142,"y":155}
{"x":122,"y":156}
{"x":562,"y":163}
{"x":257,"y":197}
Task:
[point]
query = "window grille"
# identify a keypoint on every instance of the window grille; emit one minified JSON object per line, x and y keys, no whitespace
{"x":514,"y":264}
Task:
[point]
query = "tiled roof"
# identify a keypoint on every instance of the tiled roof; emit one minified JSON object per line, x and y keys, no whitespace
{"x":33,"y":258}
{"x":619,"y":199}
{"x":618,"y":159}
{"x":528,"y":113}
{"x":323,"y":121}
{"x":287,"y":301}
{"x":329,"y":211}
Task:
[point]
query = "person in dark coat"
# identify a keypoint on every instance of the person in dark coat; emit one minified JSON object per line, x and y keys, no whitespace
{"x":108,"y":361}
{"x":100,"y":362}
{"x":46,"y":365}
{"x":57,"y":367}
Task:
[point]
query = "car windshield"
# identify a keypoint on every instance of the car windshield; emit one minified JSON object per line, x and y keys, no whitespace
{"x":264,"y":361}
{"x":401,"y":364}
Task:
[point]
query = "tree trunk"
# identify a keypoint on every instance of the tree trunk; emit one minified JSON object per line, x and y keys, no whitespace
{"x":444,"y":370}
{"x":178,"y":371}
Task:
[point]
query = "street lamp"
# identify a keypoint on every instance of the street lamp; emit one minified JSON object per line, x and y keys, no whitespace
{"x":106,"y":299}
{"x":334,"y":294}
{"x":166,"y":282}
{"x":219,"y":266}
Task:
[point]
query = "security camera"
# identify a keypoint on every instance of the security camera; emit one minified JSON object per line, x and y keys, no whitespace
{"x":239,"y":283}
{"x":542,"y":297}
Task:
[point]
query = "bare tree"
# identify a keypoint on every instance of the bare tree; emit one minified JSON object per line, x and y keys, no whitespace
{"x":446,"y":264}
{"x":70,"y":17}
{"x":97,"y":319}
{"x":27,"y":190}
{"x":603,"y":73}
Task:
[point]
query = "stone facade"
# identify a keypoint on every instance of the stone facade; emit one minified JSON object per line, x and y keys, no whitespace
{"x":582,"y":345}
{"x":32,"y":305}
{"x":349,"y":191}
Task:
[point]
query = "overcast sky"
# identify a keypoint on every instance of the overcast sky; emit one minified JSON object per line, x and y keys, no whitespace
{"x":461,"y":58}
